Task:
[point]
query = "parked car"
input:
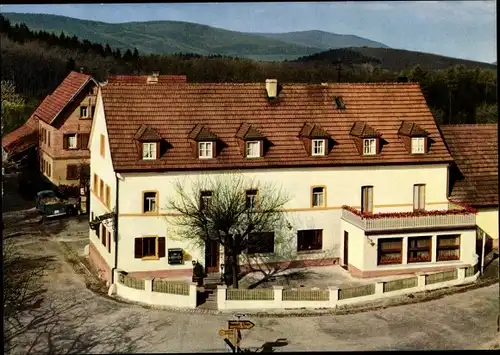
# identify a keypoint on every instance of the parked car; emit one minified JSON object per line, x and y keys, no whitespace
{"x":50,"y":204}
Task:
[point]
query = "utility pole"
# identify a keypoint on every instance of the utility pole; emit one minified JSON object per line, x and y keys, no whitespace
{"x":339,"y":69}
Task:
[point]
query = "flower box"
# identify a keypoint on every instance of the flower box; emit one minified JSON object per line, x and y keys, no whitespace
{"x":419,"y":213}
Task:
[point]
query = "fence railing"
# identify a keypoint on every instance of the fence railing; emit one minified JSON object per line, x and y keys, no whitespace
{"x":357,"y":291}
{"x":305,"y":295}
{"x":257,"y":294}
{"x":172,"y":287}
{"x":131,"y":282}
{"x":442,"y":276}
{"x":386,"y":223}
{"x":400,"y":284}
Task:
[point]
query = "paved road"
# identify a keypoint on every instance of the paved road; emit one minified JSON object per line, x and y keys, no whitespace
{"x":72,"y":319}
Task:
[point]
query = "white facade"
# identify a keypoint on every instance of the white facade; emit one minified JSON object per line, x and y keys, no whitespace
{"x":343,"y":187}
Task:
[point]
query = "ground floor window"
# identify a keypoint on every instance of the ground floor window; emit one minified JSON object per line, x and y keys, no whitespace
{"x":260,"y":243}
{"x":390,"y":251}
{"x":448,"y":247}
{"x":311,"y":239}
{"x":419,"y":249}
{"x":103,"y":234}
{"x":149,"y":247}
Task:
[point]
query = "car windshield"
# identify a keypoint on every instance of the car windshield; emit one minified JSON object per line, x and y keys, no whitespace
{"x":46,"y":194}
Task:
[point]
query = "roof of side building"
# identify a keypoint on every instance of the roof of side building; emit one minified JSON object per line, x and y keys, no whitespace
{"x":474,"y":148}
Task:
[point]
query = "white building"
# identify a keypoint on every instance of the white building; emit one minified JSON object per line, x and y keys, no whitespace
{"x":373,"y":147}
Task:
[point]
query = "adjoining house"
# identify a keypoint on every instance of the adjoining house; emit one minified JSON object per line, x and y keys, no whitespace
{"x":59,"y":128}
{"x":365,"y":164}
{"x":474,"y":174}
{"x":65,"y":119}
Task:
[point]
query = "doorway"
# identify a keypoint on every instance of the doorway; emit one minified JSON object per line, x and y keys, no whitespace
{"x":211,"y":256}
{"x":345,"y":259}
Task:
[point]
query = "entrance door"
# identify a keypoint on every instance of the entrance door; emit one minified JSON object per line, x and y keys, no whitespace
{"x":212,"y":256}
{"x":346,"y":247}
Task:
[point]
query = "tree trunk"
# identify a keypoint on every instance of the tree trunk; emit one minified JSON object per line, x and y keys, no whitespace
{"x":235,"y":269}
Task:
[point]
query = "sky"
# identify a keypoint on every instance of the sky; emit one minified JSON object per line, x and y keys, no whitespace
{"x":461,"y":29}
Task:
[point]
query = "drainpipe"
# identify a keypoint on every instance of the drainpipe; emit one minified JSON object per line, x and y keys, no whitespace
{"x":116,"y":231}
{"x":483,"y":237}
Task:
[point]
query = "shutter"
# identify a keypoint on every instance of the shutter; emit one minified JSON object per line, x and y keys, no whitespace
{"x":161,"y":247}
{"x":85,"y":141}
{"x":109,"y":242}
{"x":158,"y":145}
{"x":214,"y":149}
{"x":415,"y":197}
{"x":378,"y":146}
{"x":138,"y":248}
{"x":425,"y":144}
{"x":79,"y":141}
{"x":65,"y":141}
{"x":261,"y":146}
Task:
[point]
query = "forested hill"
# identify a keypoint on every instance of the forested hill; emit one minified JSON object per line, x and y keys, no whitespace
{"x":391,"y":59}
{"x":169,"y":37}
{"x":36,"y":62}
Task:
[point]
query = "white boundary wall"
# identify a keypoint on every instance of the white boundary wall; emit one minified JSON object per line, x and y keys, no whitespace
{"x":150,"y":297}
{"x":333,"y":302}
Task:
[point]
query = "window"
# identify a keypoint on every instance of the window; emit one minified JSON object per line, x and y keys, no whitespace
{"x":96,"y":184}
{"x":70,"y":141}
{"x":311,"y":239}
{"x":367,"y":199}
{"x":253,"y":149}
{"x":318,"y":147}
{"x":48,"y":138}
{"x":92,"y":91}
{"x":448,"y":247}
{"x":103,"y":234}
{"x":102,"y":146}
{"x":205,"y":150}
{"x":205,"y":199}
{"x":109,"y":241}
{"x":108,"y":196}
{"x":419,"y":249}
{"x":101,"y":189}
{"x":390,"y":251}
{"x":49,"y":173}
{"x":339,"y":102}
{"x":418,"y":145}
{"x":418,"y":197}
{"x":318,"y":196}
{"x":84,"y":140}
{"x":71,"y":172}
{"x":149,"y":151}
{"x":251,"y":199}
{"x":369,"y":146}
{"x":260,"y":243}
{"x":149,"y":248}
{"x":150,"y":202}
{"x":92,"y":110}
{"x":84,"y":112}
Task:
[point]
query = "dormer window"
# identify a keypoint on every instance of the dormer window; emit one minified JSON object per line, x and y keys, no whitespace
{"x":318,"y":147}
{"x":369,"y":146}
{"x":205,"y":150}
{"x":149,"y":151}
{"x":418,"y":145}
{"x":253,"y":149}
{"x":339,"y":102}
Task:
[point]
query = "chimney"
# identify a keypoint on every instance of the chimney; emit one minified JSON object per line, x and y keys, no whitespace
{"x":272,"y":88}
{"x":153,"y":78}
{"x":82,"y":70}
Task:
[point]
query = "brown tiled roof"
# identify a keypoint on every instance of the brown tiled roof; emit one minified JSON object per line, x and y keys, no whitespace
{"x":411,"y":129}
{"x":54,"y":103}
{"x":475,"y":151}
{"x":363,"y":130}
{"x":313,"y":131}
{"x":22,"y":138}
{"x":174,"y":109}
{"x":247,"y":131}
{"x":142,"y":79}
{"x":201,"y":133}
{"x":146,"y":133}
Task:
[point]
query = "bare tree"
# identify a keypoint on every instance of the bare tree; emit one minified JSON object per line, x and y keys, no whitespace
{"x":235,"y":212}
